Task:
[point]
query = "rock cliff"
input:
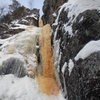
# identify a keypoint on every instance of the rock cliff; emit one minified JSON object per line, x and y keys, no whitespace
{"x":49,"y":7}
{"x":74,"y":24}
{"x":16,"y":22}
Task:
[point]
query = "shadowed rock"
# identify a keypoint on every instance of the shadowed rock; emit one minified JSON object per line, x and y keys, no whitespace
{"x":49,"y":7}
{"x":13,"y":66}
{"x":84,"y":81}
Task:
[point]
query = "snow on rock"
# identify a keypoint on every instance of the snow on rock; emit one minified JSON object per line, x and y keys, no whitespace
{"x":19,"y":26}
{"x":32,"y":16}
{"x":66,"y":28}
{"x":54,"y":14}
{"x":70,"y":66}
{"x":88,"y":49}
{"x":74,"y":8}
{"x":64,"y":67}
{"x":56,"y":53}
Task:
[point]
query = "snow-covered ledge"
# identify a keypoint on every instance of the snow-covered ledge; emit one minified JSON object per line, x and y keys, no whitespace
{"x":90,"y":48}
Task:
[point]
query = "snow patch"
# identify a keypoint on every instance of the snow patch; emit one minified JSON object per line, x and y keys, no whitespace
{"x":64,"y":67}
{"x":56,"y":54}
{"x":13,"y":88}
{"x":81,"y":19}
{"x":19,"y":26}
{"x":32,"y":16}
{"x":54,"y":14}
{"x":70,"y":66}
{"x":88,"y":49}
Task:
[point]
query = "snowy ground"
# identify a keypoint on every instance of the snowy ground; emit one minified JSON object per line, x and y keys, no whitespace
{"x":13,"y":88}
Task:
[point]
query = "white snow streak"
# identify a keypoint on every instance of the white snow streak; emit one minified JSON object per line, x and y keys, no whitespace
{"x":88,"y":49}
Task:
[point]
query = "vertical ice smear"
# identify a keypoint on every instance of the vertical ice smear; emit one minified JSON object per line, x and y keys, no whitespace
{"x":64,"y":67}
{"x":70,"y":66}
{"x":56,"y":53}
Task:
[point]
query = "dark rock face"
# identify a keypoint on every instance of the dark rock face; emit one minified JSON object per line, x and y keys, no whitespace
{"x":84,"y":31}
{"x":5,"y":32}
{"x":88,"y":28}
{"x":49,"y":7}
{"x":84,"y":81}
{"x":13,"y":66}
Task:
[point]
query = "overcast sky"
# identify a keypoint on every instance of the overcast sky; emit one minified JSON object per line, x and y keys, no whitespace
{"x":27,"y":3}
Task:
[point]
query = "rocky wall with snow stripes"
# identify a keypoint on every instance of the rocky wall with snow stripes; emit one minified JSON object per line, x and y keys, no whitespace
{"x":76,"y":35}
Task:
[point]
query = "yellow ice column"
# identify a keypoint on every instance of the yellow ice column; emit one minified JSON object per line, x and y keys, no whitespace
{"x":47,"y":81}
{"x":40,"y":23}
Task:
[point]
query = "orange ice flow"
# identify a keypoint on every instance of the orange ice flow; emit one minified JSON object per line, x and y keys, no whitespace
{"x":47,"y":82}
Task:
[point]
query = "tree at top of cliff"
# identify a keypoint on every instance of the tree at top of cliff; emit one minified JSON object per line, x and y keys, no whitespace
{"x":15,"y":4}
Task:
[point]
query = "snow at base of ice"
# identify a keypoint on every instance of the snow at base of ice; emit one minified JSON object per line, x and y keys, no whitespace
{"x":13,"y":88}
{"x":88,"y":49}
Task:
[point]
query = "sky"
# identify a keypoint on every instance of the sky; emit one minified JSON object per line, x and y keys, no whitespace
{"x":27,"y":3}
